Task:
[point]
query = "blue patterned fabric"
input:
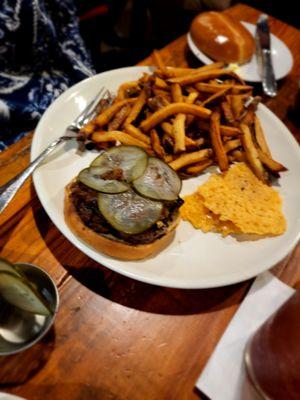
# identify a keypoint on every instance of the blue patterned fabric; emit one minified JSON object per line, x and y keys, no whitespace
{"x":41,"y":55}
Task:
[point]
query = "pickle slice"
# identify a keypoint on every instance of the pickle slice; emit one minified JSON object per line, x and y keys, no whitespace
{"x":6,"y":266}
{"x":132,"y":160}
{"x":159,"y":181}
{"x":92,"y":177}
{"x":16,"y":291}
{"x":128,"y":212}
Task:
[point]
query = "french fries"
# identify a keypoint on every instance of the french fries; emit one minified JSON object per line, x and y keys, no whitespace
{"x":228,"y":114}
{"x":202,"y":76}
{"x":252,"y":154}
{"x":190,"y":118}
{"x":199,"y":167}
{"x":119,"y":118}
{"x":216,"y":141}
{"x":168,"y":129}
{"x":179,"y":133}
{"x":215,"y":87}
{"x":238,"y":155}
{"x":156,"y":145}
{"x":273,"y":165}
{"x":136,"y":133}
{"x":137,"y":107}
{"x":118,"y":136}
{"x":109,"y":113}
{"x":176,"y":93}
{"x":190,"y":158}
{"x":122,"y":91}
{"x":215,"y":96}
{"x":158,"y":60}
{"x":232,"y":144}
{"x":260,"y":137}
{"x":172,"y":109}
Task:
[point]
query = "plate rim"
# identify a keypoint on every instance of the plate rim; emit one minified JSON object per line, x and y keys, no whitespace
{"x":231,"y":279}
{"x":192,"y":44}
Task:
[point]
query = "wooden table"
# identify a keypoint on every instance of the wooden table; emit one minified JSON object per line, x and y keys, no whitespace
{"x":116,"y":338}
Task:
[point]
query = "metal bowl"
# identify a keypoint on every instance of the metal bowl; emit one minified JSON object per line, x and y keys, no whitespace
{"x":19,"y":329}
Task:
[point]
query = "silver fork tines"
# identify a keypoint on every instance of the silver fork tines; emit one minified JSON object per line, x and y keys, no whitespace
{"x":8,"y":191}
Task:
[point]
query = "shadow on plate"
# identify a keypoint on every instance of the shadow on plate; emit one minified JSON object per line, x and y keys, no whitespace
{"x":18,"y":368}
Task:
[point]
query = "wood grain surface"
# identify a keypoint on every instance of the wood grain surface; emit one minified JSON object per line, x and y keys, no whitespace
{"x":116,"y":338}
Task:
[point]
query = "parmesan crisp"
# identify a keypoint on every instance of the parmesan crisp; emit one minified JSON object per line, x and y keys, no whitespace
{"x":235,"y":202}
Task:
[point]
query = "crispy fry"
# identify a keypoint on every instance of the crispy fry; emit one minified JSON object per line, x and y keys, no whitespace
{"x":137,"y":108}
{"x":179,"y":120}
{"x":175,"y":108}
{"x":173,"y":72}
{"x":215,"y":96}
{"x":156,"y":145}
{"x":168,"y":143}
{"x":190,"y":158}
{"x":215,"y":87}
{"x":238,"y":155}
{"x":176,"y":93}
{"x":157,"y":102}
{"x":106,"y":115}
{"x":160,"y":83}
{"x":88,"y":128}
{"x":260,"y":137}
{"x":232,"y":144}
{"x":216,"y":141}
{"x":123,"y":89}
{"x":230,"y":131}
{"x":118,"y":136}
{"x":214,"y":65}
{"x":179,"y":133}
{"x":227,"y":112}
{"x":163,"y":94}
{"x":202,"y":76}
{"x":237,"y":104}
{"x":168,"y":129}
{"x":252,"y":154}
{"x":267,"y":160}
{"x":136,"y":133}
{"x":225,"y":130}
{"x":168,"y":158}
{"x":191,"y":89}
{"x":119,"y":118}
{"x":248,"y":117}
{"x":199,"y":167}
{"x":190,"y":99}
{"x":158,"y":60}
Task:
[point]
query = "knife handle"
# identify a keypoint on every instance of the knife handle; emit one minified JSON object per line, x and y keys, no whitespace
{"x":268,"y":78}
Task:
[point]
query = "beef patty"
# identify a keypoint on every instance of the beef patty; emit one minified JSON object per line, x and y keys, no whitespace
{"x":85,"y":201}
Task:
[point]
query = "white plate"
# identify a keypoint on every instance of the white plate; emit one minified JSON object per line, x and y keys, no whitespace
{"x":194,"y":259}
{"x":7,"y":396}
{"x":281,"y":56}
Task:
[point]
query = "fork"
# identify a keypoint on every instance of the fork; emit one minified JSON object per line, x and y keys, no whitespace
{"x":8,"y":190}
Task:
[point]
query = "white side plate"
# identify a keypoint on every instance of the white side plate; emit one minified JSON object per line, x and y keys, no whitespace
{"x":281,"y":56}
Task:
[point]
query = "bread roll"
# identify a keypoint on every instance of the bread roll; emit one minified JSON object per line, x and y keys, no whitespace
{"x":222,"y":38}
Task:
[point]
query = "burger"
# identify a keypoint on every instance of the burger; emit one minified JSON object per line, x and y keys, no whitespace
{"x":125,"y":204}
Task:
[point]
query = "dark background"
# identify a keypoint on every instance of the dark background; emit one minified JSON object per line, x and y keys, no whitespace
{"x":122,"y":32}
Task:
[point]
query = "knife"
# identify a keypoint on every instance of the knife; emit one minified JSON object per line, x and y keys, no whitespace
{"x":264,"y":56}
